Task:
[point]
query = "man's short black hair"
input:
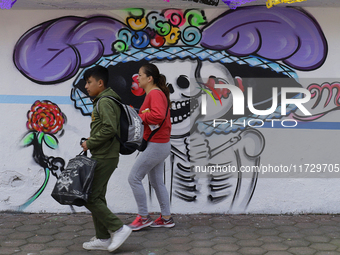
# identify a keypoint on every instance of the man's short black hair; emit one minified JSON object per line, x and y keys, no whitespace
{"x":97,"y":72}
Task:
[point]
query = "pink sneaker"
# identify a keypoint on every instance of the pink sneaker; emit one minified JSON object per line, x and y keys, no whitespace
{"x":160,"y":222}
{"x":140,"y":223}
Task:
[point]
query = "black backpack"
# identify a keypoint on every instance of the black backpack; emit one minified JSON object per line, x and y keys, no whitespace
{"x":131,"y":128}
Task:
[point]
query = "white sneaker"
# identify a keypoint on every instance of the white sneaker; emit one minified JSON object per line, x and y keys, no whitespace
{"x":97,"y":244}
{"x":119,"y":237}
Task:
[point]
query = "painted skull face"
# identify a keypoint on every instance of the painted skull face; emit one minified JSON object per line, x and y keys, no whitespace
{"x":187,"y":80}
{"x":183,"y":92}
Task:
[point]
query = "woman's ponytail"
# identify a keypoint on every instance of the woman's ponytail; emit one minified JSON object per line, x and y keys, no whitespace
{"x":159,"y":79}
{"x":162,"y":85}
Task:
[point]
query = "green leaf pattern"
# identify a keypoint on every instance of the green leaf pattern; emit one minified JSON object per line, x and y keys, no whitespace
{"x":50,"y":141}
{"x":28,"y":139}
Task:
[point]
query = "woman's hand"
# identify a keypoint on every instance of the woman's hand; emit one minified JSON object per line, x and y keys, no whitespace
{"x":146,"y":110}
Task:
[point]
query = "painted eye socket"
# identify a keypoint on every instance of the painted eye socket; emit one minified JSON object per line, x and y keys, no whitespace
{"x":183,"y":82}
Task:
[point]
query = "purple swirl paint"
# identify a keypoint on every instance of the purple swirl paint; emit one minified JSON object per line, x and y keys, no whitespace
{"x":54,"y":51}
{"x":7,"y":4}
{"x":287,"y":34}
{"x":233,"y":4}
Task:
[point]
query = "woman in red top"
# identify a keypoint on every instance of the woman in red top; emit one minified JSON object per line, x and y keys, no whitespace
{"x":151,"y":161}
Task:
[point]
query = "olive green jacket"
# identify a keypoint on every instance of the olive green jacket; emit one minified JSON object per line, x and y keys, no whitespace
{"x":104,"y":126}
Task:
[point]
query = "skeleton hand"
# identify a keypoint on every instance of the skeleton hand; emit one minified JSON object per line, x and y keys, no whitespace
{"x":198,"y":149}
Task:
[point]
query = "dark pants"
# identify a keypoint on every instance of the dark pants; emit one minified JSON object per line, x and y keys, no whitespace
{"x":104,"y":220}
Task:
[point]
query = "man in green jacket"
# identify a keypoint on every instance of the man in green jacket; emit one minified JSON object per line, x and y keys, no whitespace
{"x":104,"y":147}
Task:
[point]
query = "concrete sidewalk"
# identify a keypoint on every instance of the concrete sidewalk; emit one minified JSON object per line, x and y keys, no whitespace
{"x":32,"y":234}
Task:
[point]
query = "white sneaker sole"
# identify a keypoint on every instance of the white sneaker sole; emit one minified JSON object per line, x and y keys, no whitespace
{"x":127,"y":234}
{"x":88,"y":246}
{"x":95,"y":248}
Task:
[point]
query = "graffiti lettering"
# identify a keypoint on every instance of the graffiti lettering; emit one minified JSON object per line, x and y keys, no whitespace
{"x":326,"y":98}
{"x":271,"y":3}
{"x":233,"y":4}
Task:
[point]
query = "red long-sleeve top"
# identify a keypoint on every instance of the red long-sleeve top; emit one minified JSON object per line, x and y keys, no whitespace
{"x":157,"y":104}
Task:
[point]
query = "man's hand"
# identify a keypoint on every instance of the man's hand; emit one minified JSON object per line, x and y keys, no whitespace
{"x":83,"y":144}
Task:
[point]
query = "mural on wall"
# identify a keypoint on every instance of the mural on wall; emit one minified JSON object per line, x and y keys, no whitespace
{"x":248,"y":47}
{"x":44,"y":121}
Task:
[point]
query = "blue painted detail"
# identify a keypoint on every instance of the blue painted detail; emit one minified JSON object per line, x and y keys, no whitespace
{"x":25,"y":99}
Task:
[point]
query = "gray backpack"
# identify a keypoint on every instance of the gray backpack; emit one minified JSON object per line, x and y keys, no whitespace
{"x":131,"y":128}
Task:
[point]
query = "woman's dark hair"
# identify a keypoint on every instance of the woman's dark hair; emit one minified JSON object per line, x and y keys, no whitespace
{"x":159,"y":79}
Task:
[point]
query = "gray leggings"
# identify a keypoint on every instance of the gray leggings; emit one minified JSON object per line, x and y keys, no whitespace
{"x":151,"y":162}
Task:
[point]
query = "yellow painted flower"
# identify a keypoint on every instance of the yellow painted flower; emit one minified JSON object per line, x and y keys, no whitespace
{"x":173,"y":37}
{"x":136,"y":24}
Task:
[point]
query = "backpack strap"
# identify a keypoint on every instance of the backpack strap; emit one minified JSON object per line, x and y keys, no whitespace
{"x":116,"y":100}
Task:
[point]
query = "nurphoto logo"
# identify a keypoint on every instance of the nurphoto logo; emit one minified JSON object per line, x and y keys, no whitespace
{"x":238,"y":104}
{"x":238,"y":100}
